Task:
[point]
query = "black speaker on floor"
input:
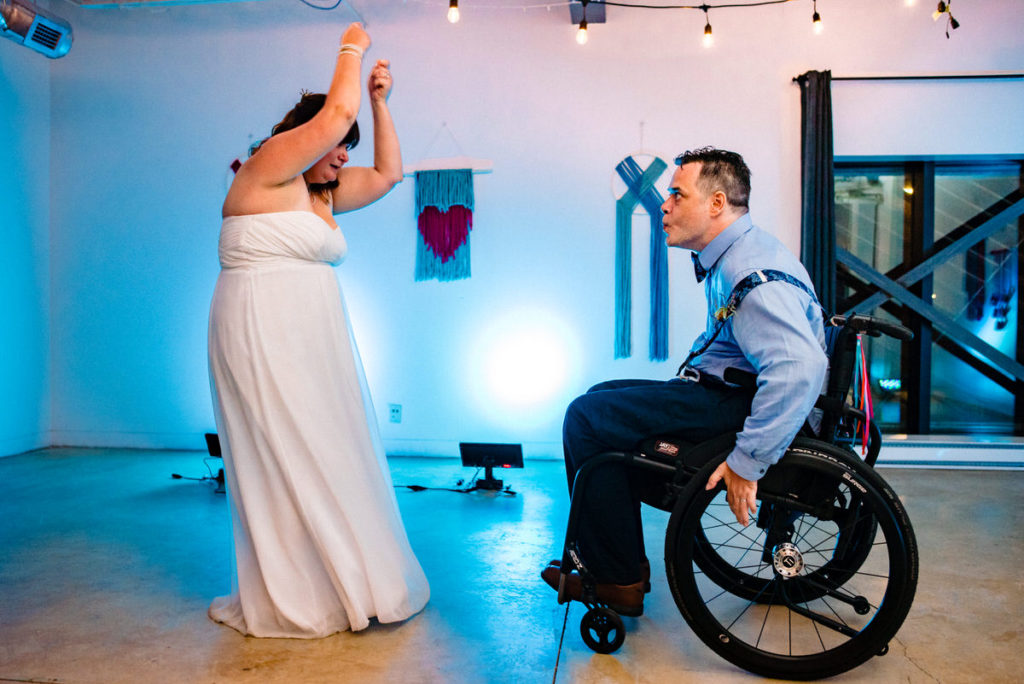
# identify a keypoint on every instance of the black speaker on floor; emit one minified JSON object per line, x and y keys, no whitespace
{"x":212,"y":443}
{"x":213,"y":446}
{"x":490,"y":456}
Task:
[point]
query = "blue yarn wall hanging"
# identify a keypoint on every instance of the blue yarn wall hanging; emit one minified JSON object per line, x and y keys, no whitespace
{"x":640,"y":190}
{"x":444,"y":217}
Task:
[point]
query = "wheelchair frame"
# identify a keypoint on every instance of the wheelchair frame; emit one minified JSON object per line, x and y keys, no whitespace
{"x":823,"y":578}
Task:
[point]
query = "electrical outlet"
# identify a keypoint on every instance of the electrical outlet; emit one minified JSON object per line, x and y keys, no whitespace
{"x":396,"y":412}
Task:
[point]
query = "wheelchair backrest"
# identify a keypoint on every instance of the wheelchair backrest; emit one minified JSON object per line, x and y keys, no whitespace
{"x":841,"y":348}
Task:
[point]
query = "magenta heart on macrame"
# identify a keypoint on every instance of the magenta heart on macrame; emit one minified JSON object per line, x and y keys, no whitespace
{"x":445,"y":231}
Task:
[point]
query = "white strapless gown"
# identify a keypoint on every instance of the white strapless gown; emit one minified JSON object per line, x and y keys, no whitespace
{"x":319,"y":543}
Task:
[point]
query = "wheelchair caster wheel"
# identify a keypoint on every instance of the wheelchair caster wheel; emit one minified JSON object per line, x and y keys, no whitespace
{"x":602,"y":630}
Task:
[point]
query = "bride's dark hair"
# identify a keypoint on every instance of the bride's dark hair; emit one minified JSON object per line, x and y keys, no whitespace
{"x":306,"y":108}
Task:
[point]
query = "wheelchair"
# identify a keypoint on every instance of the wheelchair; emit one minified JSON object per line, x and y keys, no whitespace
{"x":823,"y":578}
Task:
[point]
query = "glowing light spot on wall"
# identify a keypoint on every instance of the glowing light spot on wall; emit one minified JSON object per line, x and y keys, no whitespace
{"x":526,"y":361}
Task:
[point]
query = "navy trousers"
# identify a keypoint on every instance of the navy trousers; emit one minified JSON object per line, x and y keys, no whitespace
{"x":616,"y":416}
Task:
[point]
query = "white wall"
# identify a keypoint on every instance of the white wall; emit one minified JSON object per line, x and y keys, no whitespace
{"x":151,"y":105}
{"x":928,"y":118}
{"x":24,"y":247}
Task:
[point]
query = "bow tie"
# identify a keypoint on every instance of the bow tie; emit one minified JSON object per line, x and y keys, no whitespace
{"x":698,"y":270}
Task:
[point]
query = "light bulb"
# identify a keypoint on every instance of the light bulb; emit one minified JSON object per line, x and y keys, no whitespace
{"x":709,"y":40}
{"x":453,"y":11}
{"x":581,"y":34}
{"x":817,"y":23}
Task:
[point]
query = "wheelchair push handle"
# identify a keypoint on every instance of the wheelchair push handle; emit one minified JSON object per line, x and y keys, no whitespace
{"x":863,"y":323}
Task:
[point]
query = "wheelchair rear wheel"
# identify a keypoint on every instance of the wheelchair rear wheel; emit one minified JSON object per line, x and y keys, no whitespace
{"x":740,"y":560}
{"x":820,"y":586}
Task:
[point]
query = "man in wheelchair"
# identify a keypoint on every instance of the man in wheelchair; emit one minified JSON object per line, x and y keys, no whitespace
{"x":777,"y":336}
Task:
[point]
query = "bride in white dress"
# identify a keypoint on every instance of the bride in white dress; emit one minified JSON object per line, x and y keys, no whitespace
{"x":319,"y":543}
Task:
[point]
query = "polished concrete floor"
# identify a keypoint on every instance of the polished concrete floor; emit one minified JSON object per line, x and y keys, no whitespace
{"x":107,"y":566}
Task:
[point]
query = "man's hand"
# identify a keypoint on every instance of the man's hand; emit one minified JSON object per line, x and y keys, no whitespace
{"x":741,"y":494}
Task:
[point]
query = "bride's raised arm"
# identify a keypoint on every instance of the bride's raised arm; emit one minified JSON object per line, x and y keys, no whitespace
{"x":285,"y":156}
{"x":361,"y":185}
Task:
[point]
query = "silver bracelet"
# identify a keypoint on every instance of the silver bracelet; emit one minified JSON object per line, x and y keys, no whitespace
{"x":350,"y":49}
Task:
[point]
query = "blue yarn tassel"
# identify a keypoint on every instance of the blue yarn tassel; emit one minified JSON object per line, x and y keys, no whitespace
{"x":430,"y":267}
{"x":623,"y":278}
{"x":444,"y":188}
{"x":658,"y":349}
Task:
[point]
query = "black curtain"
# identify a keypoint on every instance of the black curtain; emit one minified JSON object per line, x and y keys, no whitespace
{"x":818,"y":220}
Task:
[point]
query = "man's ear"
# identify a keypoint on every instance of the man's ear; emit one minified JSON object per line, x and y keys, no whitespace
{"x":718,"y":203}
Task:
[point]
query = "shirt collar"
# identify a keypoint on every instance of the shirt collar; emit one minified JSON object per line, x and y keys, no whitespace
{"x":710,"y":255}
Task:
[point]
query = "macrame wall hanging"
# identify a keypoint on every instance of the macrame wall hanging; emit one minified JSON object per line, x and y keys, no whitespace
{"x":640,"y":190}
{"x":444,"y":212}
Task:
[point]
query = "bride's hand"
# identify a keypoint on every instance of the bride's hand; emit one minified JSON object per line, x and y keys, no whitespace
{"x":356,"y":35}
{"x":380,"y":80}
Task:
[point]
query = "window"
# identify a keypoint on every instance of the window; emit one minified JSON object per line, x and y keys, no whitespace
{"x":936,"y":246}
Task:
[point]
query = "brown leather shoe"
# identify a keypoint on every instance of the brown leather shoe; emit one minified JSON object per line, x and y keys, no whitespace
{"x":624,"y":599}
{"x":645,"y":572}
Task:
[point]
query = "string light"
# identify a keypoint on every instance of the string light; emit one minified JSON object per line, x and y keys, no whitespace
{"x":581,"y":34}
{"x":943,"y":7}
{"x":946,"y":8}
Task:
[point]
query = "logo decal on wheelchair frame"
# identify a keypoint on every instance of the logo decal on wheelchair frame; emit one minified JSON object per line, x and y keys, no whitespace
{"x":575,"y":559}
{"x":667,"y":448}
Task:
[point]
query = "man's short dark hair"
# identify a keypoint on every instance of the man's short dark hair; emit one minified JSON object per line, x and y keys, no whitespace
{"x":721,"y":170}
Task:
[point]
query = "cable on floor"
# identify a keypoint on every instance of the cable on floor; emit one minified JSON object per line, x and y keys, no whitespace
{"x":561,"y":638}
{"x":508,"y":491}
{"x":466,"y":490}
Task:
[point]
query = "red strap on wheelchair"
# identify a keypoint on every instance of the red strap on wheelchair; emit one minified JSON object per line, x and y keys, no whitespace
{"x":862,"y":393}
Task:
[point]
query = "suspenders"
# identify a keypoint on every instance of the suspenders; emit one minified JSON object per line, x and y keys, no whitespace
{"x":742,"y":289}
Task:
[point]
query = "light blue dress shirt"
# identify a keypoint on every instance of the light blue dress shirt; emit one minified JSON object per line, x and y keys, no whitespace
{"x":777,"y":332}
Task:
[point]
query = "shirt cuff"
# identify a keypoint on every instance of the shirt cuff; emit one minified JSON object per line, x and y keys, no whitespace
{"x":745,"y":465}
